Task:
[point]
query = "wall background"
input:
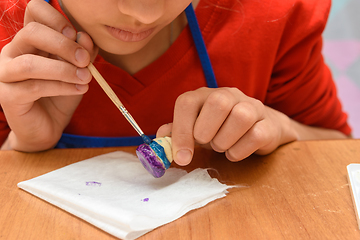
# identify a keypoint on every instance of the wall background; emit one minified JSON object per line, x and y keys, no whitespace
{"x":342,"y":54}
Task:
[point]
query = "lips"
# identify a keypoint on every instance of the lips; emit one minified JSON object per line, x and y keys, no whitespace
{"x":129,"y":36}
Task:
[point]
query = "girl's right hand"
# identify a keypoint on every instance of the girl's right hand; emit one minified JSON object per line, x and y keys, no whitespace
{"x":43,"y":76}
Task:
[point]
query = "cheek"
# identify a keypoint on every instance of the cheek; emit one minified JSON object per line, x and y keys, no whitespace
{"x":176,"y":7}
{"x":86,"y":11}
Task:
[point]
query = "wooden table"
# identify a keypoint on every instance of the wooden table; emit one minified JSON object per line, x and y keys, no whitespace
{"x":298,"y":192}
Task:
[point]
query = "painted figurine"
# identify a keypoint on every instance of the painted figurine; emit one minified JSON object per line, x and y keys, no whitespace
{"x":156,"y":157}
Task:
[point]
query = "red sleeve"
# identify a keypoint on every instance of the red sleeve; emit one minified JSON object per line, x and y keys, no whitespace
{"x":302,"y":86}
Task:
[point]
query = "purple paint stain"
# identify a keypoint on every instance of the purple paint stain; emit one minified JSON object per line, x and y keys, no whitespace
{"x":93,"y":183}
{"x":145,"y":200}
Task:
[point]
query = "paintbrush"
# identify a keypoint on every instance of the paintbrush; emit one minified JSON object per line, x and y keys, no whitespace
{"x":155,"y":156}
{"x":111,"y":94}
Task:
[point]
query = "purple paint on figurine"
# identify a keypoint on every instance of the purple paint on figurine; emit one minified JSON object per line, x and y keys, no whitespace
{"x":145,"y":200}
{"x":93,"y":183}
{"x":150,"y":161}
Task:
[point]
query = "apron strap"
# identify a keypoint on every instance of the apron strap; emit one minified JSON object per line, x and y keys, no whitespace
{"x":76,"y":141}
{"x":200,"y":47}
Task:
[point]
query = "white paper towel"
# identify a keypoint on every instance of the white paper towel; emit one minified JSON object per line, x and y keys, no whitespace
{"x":115,"y":193}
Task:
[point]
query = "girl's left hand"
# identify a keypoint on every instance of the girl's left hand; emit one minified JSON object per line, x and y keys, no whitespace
{"x":229,"y":121}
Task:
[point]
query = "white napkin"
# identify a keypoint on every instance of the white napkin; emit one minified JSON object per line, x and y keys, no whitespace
{"x":115,"y":193}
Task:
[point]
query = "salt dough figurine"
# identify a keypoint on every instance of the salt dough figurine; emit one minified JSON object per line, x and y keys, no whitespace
{"x":156,"y":157}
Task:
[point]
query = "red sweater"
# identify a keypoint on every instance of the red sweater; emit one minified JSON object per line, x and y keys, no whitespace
{"x":270,"y":50}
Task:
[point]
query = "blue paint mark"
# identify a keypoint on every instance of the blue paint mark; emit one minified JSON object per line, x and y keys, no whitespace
{"x":93,"y":183}
{"x":160,"y":152}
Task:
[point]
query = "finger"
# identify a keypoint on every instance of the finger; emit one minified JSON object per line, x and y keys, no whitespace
{"x":214,"y":112}
{"x":35,"y":37}
{"x":32,"y":90}
{"x":30,"y":66}
{"x":85,"y":40}
{"x":257,"y":137}
{"x":242,"y":117}
{"x":42,"y":12}
{"x":187,"y":108}
{"x":165,"y":130}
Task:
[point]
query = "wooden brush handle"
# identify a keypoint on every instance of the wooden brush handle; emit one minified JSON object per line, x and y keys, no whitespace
{"x":105,"y":86}
{"x":111,"y":94}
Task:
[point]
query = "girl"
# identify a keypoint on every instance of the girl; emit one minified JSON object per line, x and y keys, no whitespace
{"x":262,"y":84}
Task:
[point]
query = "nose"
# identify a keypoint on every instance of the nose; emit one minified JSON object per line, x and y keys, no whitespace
{"x":145,"y":11}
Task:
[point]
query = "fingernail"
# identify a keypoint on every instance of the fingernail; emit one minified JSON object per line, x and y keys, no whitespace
{"x":183,"y":156}
{"x":81,"y":55}
{"x":81,"y":87}
{"x":78,"y":35}
{"x":69,"y":32}
{"x":83,"y":74}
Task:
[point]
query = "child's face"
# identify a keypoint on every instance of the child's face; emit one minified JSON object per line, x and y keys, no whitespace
{"x":123,"y":26}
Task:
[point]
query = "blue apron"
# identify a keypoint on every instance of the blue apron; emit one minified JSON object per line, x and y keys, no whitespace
{"x":76,"y":141}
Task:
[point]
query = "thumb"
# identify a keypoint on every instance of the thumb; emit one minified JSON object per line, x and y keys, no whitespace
{"x":183,"y":143}
{"x":182,"y":147}
{"x":164,"y":131}
{"x":85,"y":41}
